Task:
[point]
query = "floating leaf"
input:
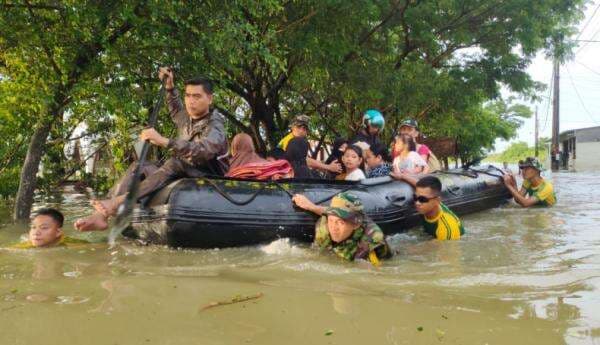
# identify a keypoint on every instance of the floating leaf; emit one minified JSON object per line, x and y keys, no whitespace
{"x":440,"y":334}
{"x":329,"y":332}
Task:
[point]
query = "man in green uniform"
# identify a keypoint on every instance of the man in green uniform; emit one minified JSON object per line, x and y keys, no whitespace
{"x":345,"y":229}
{"x":534,"y":190}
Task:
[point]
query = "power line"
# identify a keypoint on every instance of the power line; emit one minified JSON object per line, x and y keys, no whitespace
{"x":579,"y":96}
{"x":586,"y":43}
{"x":548,"y":101}
{"x":588,"y":22}
{"x":586,"y":66}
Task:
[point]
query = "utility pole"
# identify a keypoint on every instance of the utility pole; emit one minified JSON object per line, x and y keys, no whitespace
{"x":555,"y":116}
{"x":536,"y":132}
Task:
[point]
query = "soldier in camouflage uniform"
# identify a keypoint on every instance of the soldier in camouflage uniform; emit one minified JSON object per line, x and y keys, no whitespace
{"x":345,"y":229}
{"x":201,"y":141}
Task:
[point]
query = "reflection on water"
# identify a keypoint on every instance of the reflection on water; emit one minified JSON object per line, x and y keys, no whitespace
{"x":521,"y":276}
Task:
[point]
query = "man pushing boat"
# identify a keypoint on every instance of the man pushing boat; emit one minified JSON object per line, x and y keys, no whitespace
{"x":201,"y":140}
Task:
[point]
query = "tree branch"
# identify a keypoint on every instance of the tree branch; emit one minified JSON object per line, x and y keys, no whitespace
{"x":47,"y":50}
{"x":231,"y":117}
{"x":36,"y":6}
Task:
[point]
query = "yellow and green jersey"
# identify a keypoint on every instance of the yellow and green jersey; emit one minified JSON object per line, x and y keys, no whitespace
{"x":283,"y":143}
{"x":63,"y":242}
{"x":444,"y":226}
{"x":544,"y":192}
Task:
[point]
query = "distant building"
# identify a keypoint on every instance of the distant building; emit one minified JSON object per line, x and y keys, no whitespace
{"x":580,"y":149}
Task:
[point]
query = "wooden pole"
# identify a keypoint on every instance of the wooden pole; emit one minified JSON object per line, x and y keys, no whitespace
{"x":555,"y":116}
{"x":536,"y":132}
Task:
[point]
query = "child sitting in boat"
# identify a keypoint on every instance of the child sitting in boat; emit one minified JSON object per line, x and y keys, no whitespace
{"x":247,"y":164}
{"x":438,"y":220}
{"x":345,"y":229}
{"x":353,"y":161}
{"x":407,"y":159}
{"x":376,"y":159}
{"x":46,"y":231}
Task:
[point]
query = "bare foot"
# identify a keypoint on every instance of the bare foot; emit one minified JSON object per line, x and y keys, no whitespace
{"x":106,"y":207}
{"x":96,"y":221}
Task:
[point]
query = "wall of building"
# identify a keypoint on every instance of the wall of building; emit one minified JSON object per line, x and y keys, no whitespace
{"x":586,"y":135}
{"x":588,"y":157}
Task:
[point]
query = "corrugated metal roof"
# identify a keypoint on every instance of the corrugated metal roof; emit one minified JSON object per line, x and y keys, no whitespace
{"x":583,"y":135}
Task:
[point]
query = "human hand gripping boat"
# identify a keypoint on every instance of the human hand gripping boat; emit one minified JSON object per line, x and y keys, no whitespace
{"x":217,"y":212}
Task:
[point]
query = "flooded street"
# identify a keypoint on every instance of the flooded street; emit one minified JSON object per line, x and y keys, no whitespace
{"x":519,"y":276}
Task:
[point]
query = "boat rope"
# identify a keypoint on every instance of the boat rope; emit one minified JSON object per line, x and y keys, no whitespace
{"x":332,"y":195}
{"x":459,"y":173}
{"x":472,"y":173}
{"x":253,"y":196}
{"x":486,"y":172}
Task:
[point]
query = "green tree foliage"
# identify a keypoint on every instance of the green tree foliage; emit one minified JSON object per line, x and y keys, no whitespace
{"x":520,"y":150}
{"x":477,"y":129}
{"x":441,"y":62}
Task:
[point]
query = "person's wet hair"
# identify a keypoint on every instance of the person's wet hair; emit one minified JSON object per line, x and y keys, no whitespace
{"x":55,"y":214}
{"x":379,"y":149}
{"x":205,"y":83}
{"x":430,"y":182}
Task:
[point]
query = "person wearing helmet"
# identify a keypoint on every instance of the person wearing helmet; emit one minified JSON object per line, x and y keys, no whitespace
{"x":372,"y":127}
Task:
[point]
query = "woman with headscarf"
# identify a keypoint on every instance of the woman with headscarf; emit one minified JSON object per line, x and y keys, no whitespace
{"x":247,"y":164}
{"x":296,"y":152}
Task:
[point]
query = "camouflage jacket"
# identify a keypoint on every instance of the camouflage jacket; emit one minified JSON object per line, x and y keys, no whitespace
{"x":366,"y":239}
{"x":199,"y":141}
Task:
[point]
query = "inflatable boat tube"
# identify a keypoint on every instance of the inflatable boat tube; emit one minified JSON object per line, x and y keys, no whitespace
{"x":213,"y":212}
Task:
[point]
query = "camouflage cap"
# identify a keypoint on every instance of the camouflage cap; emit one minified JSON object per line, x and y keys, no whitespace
{"x":410,"y":123}
{"x":531,"y":162}
{"x":301,"y":120}
{"x":346,"y":206}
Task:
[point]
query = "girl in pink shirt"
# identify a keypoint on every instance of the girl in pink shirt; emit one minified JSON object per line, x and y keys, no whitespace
{"x":407,"y":160}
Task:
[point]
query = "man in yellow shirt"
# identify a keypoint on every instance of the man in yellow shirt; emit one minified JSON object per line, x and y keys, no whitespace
{"x":299,"y":129}
{"x":535,"y":190}
{"x":46,"y":231}
{"x":438,"y":220}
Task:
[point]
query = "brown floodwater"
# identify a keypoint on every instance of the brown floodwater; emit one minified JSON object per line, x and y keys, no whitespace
{"x":519,"y":276}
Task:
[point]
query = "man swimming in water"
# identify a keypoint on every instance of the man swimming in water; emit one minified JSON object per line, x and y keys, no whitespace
{"x":345,"y":229}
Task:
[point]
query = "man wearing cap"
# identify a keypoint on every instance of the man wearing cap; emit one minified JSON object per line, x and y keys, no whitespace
{"x":410,"y":127}
{"x":345,"y":229}
{"x":534,"y":190}
{"x":372,"y":126}
{"x":299,"y":129}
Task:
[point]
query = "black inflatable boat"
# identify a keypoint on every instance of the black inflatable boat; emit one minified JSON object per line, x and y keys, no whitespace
{"x":215,"y":212}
